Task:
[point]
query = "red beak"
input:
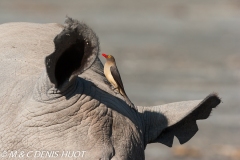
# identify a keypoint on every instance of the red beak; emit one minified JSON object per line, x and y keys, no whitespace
{"x":104,"y":55}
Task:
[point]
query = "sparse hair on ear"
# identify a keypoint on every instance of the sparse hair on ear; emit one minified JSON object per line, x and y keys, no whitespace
{"x":76,"y":48}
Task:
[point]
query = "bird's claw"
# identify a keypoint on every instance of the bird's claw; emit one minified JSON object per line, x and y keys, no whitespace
{"x":115,"y":90}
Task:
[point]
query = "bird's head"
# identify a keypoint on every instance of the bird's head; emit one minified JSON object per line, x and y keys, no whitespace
{"x":108,"y":57}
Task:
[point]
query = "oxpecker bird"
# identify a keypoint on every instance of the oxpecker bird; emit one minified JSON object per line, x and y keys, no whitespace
{"x":113,"y":76}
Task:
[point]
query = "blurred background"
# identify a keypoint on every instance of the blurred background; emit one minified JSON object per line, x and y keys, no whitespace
{"x":166,"y":51}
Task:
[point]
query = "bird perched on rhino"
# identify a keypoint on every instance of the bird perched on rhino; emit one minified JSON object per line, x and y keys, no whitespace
{"x":112,"y":74}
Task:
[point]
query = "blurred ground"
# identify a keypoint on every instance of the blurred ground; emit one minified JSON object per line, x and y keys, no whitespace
{"x":166,"y":51}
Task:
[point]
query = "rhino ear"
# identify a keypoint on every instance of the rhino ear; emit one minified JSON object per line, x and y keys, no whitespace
{"x":184,"y":125}
{"x":76,"y":48}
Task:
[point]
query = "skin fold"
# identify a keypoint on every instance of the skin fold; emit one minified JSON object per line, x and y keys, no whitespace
{"x":55,"y":97}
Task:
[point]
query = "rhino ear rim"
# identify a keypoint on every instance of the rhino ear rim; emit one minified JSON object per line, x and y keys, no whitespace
{"x":76,"y":48}
{"x":186,"y":128}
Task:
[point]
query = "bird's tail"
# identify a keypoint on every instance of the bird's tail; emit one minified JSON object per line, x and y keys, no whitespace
{"x":129,"y":102}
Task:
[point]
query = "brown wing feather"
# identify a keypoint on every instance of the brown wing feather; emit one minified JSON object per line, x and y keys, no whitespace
{"x":117,"y":77}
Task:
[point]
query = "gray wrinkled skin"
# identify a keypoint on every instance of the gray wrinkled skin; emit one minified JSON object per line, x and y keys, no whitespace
{"x":43,"y":108}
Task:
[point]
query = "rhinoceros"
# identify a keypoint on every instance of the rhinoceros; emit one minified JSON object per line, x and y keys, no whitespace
{"x":56,"y":102}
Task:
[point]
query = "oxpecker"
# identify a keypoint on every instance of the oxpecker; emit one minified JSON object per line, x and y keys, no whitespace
{"x":112,"y":74}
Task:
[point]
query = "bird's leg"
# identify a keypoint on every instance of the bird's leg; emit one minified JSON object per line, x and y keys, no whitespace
{"x":115,"y":89}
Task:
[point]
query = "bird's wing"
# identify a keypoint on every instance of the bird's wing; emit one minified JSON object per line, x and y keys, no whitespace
{"x":117,"y":77}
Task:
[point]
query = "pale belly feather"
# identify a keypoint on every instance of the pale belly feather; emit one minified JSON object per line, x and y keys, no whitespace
{"x":109,"y":76}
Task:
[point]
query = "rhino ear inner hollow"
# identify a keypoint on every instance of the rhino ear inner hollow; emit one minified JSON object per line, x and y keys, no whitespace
{"x":69,"y":61}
